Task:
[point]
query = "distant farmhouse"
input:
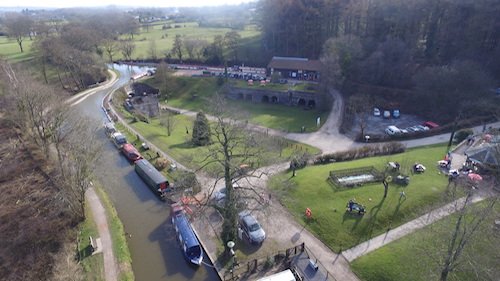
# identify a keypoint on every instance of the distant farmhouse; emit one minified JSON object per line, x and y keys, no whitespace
{"x":295,"y":68}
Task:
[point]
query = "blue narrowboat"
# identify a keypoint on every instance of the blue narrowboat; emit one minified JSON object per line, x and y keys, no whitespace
{"x":185,"y":235}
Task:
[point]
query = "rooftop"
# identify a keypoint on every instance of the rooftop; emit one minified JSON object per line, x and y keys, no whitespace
{"x":294,"y":63}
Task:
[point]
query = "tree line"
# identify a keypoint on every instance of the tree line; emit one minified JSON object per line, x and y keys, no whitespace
{"x":432,"y":58}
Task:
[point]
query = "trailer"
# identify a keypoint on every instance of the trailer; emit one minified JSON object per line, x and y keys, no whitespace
{"x":157,"y":182}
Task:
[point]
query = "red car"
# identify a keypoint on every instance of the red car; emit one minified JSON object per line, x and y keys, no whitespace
{"x":430,"y":124}
{"x":131,"y":152}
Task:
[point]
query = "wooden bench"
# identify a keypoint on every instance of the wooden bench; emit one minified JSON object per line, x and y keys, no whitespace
{"x":95,"y":245}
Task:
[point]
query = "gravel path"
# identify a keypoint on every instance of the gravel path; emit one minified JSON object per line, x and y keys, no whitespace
{"x":99,"y":214}
{"x":405,"y":229}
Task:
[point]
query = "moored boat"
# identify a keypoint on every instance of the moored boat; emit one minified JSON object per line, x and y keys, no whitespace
{"x":186,"y":237}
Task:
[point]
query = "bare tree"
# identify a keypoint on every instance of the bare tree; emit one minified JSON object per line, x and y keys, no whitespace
{"x":190,"y":44}
{"x":232,"y":145}
{"x":34,"y":103}
{"x":110,"y":47}
{"x":466,"y":224}
{"x":167,"y":120}
{"x":232,"y":41}
{"x":82,"y":150}
{"x":177,"y":46}
{"x":164,"y":76}
{"x":153,"y":50}
{"x":359,"y":105}
{"x":18,"y":26}
{"x":337,"y":58}
{"x":127,"y":48}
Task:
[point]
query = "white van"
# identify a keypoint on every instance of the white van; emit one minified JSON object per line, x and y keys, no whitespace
{"x":392,"y":130}
{"x":286,"y":275}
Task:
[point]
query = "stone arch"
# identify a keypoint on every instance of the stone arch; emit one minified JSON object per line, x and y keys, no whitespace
{"x":265,"y":99}
{"x":274,"y":99}
{"x":302,"y":102}
{"x":240,"y":96}
{"x":311,"y":103}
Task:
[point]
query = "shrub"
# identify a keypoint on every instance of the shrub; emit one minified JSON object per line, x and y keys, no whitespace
{"x":361,"y":152}
{"x":299,"y":161}
{"x":161,"y":163}
{"x":462,"y":135}
{"x":138,"y":116}
{"x":187,"y":180}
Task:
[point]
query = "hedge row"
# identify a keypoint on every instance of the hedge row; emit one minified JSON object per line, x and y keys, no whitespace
{"x":361,"y":152}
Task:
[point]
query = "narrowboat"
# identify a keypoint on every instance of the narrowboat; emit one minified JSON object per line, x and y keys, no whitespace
{"x":155,"y":180}
{"x":188,"y":241}
{"x":131,"y":152}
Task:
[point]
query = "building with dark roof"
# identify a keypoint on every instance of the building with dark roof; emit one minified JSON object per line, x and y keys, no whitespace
{"x":295,"y":68}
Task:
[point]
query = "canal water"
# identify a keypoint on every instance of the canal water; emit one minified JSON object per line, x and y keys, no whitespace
{"x":155,"y":252}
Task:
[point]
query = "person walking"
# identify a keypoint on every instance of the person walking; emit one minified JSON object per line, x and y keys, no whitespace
{"x":402,"y":194}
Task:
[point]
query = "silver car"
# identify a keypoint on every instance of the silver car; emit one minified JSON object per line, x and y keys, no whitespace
{"x":250,"y":228}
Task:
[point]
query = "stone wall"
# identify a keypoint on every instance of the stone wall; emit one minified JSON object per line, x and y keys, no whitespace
{"x":290,"y":98}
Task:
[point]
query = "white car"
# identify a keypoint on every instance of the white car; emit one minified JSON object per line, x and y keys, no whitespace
{"x":387,"y":114}
{"x":392,"y":130}
{"x":376,"y":112}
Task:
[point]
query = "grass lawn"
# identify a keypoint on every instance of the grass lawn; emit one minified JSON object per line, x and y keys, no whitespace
{"x":179,"y":146}
{"x":416,"y":256}
{"x":192,"y":93}
{"x":164,"y":38}
{"x":303,"y":87}
{"x":9,"y":49}
{"x":339,"y":230}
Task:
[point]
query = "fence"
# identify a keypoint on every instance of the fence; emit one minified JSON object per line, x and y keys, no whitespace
{"x":355,"y":176}
{"x":252,"y":269}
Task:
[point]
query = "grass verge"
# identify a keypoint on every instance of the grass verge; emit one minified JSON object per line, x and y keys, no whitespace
{"x":93,"y":266}
{"x":120,"y":247}
{"x":341,"y":230}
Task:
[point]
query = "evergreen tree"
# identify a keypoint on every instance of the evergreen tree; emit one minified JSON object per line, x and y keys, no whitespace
{"x":201,"y":130}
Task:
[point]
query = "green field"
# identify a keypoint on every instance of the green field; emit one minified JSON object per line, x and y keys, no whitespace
{"x":9,"y":49}
{"x":179,"y":146}
{"x":340,"y":230}
{"x":193,"y":93}
{"x":416,"y":256}
{"x":164,"y":38}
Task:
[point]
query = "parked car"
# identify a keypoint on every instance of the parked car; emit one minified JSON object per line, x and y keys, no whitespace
{"x":220,"y":195}
{"x":430,"y":124}
{"x":396,"y":113}
{"x":387,"y":114}
{"x":376,"y":112}
{"x":404,"y":131}
{"x":249,"y":228}
{"x":392,"y":130}
{"x":422,"y":128}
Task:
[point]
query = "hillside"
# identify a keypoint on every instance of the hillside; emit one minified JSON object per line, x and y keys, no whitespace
{"x":34,"y":224}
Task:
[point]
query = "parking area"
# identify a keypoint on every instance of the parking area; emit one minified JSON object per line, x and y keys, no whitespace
{"x":375,"y":125}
